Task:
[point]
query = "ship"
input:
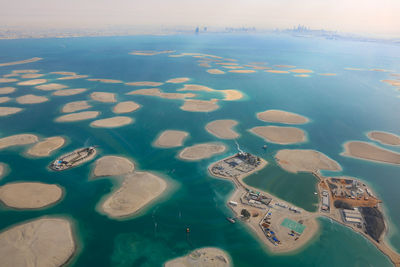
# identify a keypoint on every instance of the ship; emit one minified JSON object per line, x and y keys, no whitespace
{"x":73,"y":159}
{"x":231,"y":219}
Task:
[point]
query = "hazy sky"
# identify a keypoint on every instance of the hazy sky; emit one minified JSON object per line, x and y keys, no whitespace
{"x":359,"y":16}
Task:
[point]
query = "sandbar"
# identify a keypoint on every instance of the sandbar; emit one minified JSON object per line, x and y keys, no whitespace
{"x":68,"y":92}
{"x":112,"y":166}
{"x":8,"y":80}
{"x":384,"y":138}
{"x":371,"y":152}
{"x":136,"y":192}
{"x":41,"y":242}
{"x":201,"y":151}
{"x":194,"y":105}
{"x":75,"y":106}
{"x":84,"y":115}
{"x":112,"y":122}
{"x":33,"y":82}
{"x":103,"y":97}
{"x":178,"y":80}
{"x":125,"y":107}
{"x":18,"y":140}
{"x":301,"y":71}
{"x":73,"y":77}
{"x":215,"y":71}
{"x":305,"y":160}
{"x":4,"y":99}
{"x":7,"y":90}
{"x":145,"y":83}
{"x":34,"y":59}
{"x":171,"y":138}
{"x":277,"y":71}
{"x":29,"y":195}
{"x":203,"y":257}
{"x":281,"y":116}
{"x":105,"y":80}
{"x":242,"y":71}
{"x":51,"y":86}
{"x":280,"y":135}
{"x":284,"y":66}
{"x":31,"y":99}
{"x":5,"y":111}
{"x":31,"y":75}
{"x":46,"y":147}
{"x":222,"y":129}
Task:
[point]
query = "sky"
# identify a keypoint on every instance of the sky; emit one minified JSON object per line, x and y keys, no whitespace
{"x":378,"y":17}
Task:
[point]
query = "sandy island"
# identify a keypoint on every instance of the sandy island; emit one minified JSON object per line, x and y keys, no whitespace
{"x":104,"y":80}
{"x":231,"y":94}
{"x":113,"y":122}
{"x":302,"y":75}
{"x":46,"y":147}
{"x":25,"y":71}
{"x":193,"y":105}
{"x":284,"y":66}
{"x":33,"y":82}
{"x":371,"y":152}
{"x":178,"y":80}
{"x":75,"y":106}
{"x":327,"y":74}
{"x":203,"y":257}
{"x":395,"y":83}
{"x":201,"y":151}
{"x":281,"y":116}
{"x":66,"y":73}
{"x":301,"y":71}
{"x":384,"y":138}
{"x":157,"y":92}
{"x":68,"y":92}
{"x":242,"y":71}
{"x":5,"y":111}
{"x":34,"y":59}
{"x":232,"y":67}
{"x":84,"y":115}
{"x":41,"y":242}
{"x":171,"y":138}
{"x":31,"y":99}
{"x":31,"y":75}
{"x":73,"y":77}
{"x":4,"y":99}
{"x":103,"y":97}
{"x":3,"y":168}
{"x":112,"y":166}
{"x":215,"y":71}
{"x":277,"y":71}
{"x":145,"y":83}
{"x":222,"y":129}
{"x":150,"y":53}
{"x":8,"y":80}
{"x":18,"y":140}
{"x":125,"y":107}
{"x":137,"y":191}
{"x":29,"y":195}
{"x":196,"y":87}
{"x":305,"y":160}
{"x":7,"y":90}
{"x":280,"y":135}
{"x":51,"y":86}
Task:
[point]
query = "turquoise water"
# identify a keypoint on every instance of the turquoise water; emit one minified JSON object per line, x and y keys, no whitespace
{"x":341,"y":108}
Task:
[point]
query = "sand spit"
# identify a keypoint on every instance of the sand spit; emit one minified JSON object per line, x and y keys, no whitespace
{"x":384,"y":138}
{"x":4,"y":99}
{"x":34,"y":59}
{"x":51,"y":86}
{"x":242,"y":71}
{"x":284,"y":66}
{"x":371,"y":152}
{"x":41,"y":242}
{"x":31,"y":99}
{"x":7,"y":90}
{"x":104,"y":80}
{"x":203,"y":257}
{"x":280,"y":135}
{"x":125,"y":107}
{"x":278,"y":71}
{"x":301,"y":71}
{"x":29,"y":195}
{"x":73,"y":77}
{"x":46,"y":147}
{"x":75,"y":106}
{"x":280,"y":116}
{"x":303,"y":160}
{"x":215,"y":71}
{"x":5,"y":111}
{"x":145,"y":83}
{"x":171,"y":138}
{"x":85,"y":115}
{"x":68,"y":92}
{"x":193,"y":105}
{"x":33,"y":82}
{"x":66,"y":73}
{"x":112,"y":166}
{"x":151,"y":53}
{"x":103,"y":97}
{"x":112,"y":122}
{"x":136,"y":192}
{"x":8,"y":80}
{"x":201,"y":151}
{"x":31,"y":76}
{"x":178,"y":80}
{"x":222,"y":129}
{"x":18,"y":140}
{"x":159,"y":93}
{"x":327,"y":74}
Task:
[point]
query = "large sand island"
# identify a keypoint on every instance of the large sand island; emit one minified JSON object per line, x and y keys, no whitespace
{"x":125,"y":107}
{"x":18,"y":140}
{"x":103,"y":97}
{"x":31,"y":99}
{"x":75,"y":106}
{"x":194,"y":105}
{"x":113,"y":122}
{"x":280,"y":135}
{"x":46,"y":147}
{"x":201,"y":151}
{"x":280,"y":116}
{"x":222,"y":129}
{"x":171,"y":138}
{"x":203,"y":257}
{"x":384,"y":138}
{"x":34,"y":59}
{"x":112,"y":166}
{"x":41,"y":242}
{"x":371,"y":152}
{"x":7,"y":90}
{"x":79,"y":116}
{"x":29,"y":195}
{"x":68,"y":92}
{"x":136,"y":192}
{"x":5,"y":111}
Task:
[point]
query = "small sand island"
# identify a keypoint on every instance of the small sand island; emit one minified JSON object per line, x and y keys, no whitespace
{"x":103,"y":97}
{"x":29,"y":195}
{"x":31,"y":99}
{"x":171,"y":138}
{"x":79,"y":116}
{"x":73,"y":159}
{"x":194,"y":105}
{"x":145,"y":83}
{"x":125,"y":107}
{"x":242,"y":71}
{"x":215,"y":71}
{"x":278,"y":71}
{"x":8,"y":80}
{"x":136,"y":192}
{"x":223,"y":129}
{"x":371,"y":152}
{"x":157,"y":92}
{"x":18,"y":140}
{"x":280,"y":135}
{"x":75,"y":106}
{"x":203,"y":257}
{"x":300,"y":71}
{"x":5,"y":111}
{"x":41,"y":242}
{"x":3,"y":168}
{"x":32,"y":82}
{"x":112,"y":166}
{"x":280,"y":116}
{"x":7,"y":90}
{"x":73,"y":77}
{"x":150,"y":53}
{"x":201,"y":151}
{"x":384,"y":138}
{"x":104,"y":80}
{"x":51,"y":86}
{"x":34,"y":59}
{"x":231,"y":95}
{"x":4,"y":99}
{"x":113,"y":122}
{"x":46,"y":147}
{"x":66,"y":73}
{"x":68,"y":92}
{"x":178,"y":80}
{"x":31,"y":75}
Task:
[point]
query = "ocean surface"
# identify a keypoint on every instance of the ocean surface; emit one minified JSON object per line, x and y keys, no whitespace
{"x":341,"y":108}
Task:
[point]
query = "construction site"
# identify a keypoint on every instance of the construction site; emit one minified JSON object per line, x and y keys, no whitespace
{"x":73,"y":159}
